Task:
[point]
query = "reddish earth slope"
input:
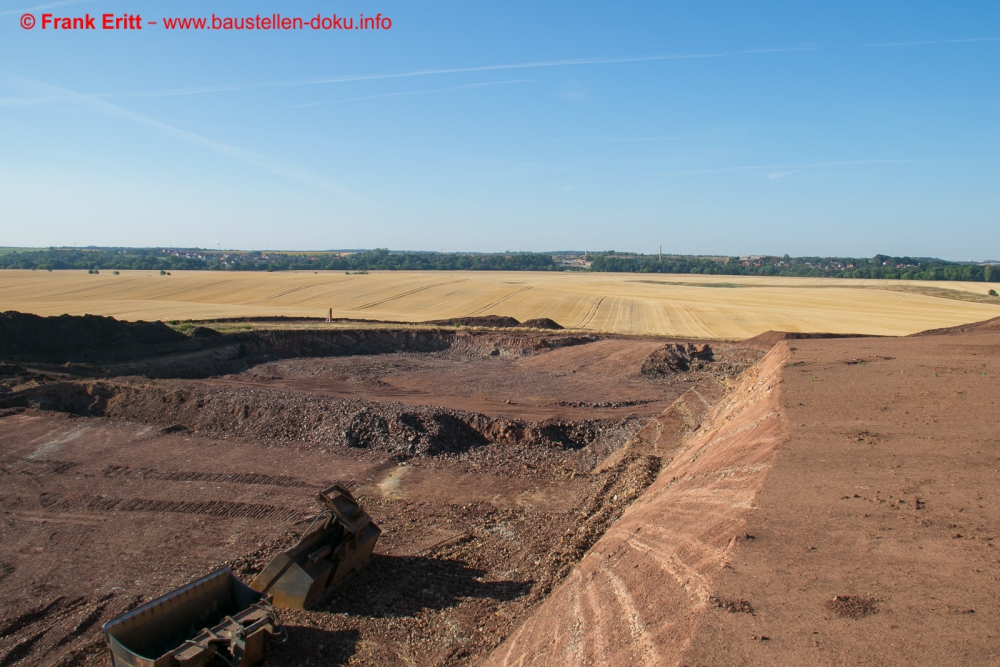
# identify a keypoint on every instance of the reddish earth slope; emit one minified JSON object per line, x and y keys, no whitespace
{"x":839,"y":508}
{"x":640,"y":594}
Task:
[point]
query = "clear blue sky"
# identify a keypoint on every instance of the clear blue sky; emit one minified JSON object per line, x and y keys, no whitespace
{"x":845,"y":128}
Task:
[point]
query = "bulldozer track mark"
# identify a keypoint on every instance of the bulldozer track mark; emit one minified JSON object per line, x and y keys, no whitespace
{"x":219,"y":508}
{"x":379,"y":302}
{"x":114,"y":471}
{"x":104,"y":504}
{"x":48,"y":499}
{"x":45,"y":517}
{"x":44,"y":465}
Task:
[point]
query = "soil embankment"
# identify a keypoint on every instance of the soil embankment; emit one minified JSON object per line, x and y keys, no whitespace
{"x":639,"y":594}
{"x":26,"y":336}
{"x":836,"y":508}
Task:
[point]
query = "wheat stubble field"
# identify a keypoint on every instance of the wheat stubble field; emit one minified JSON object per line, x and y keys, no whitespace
{"x":719,"y":307}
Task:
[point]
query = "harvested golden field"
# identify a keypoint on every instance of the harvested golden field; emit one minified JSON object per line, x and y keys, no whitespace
{"x":676,"y":305}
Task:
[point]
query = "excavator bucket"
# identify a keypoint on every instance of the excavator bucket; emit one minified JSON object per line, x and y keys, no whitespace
{"x":214,"y":618}
{"x":340,"y":540}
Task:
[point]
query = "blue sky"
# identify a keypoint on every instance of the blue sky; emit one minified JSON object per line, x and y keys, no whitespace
{"x":710,"y":127}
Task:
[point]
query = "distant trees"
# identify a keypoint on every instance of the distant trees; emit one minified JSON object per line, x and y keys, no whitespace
{"x":878,"y":267}
{"x":154,"y":259}
{"x":382,"y":259}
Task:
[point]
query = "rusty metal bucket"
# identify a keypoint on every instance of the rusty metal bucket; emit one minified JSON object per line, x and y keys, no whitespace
{"x":339,"y":541}
{"x":217,"y":617}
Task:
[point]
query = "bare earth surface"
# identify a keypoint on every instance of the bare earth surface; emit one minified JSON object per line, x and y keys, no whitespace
{"x":600,"y":379}
{"x":490,"y":475}
{"x":838,"y":507}
{"x":607,"y":501}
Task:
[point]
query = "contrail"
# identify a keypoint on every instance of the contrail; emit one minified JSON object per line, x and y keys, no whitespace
{"x":935,"y":41}
{"x":278,"y":167}
{"x":410,"y":92}
{"x":753,"y":167}
{"x":571,"y":62}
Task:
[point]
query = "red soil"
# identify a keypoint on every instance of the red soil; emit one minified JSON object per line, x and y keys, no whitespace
{"x":544,"y":499}
{"x":837,"y":508}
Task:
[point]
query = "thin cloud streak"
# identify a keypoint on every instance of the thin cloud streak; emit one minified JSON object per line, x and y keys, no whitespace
{"x":26,"y":101}
{"x":573,"y":62}
{"x":411,"y":92}
{"x":935,"y":41}
{"x":808,"y":165}
{"x":623,"y":139}
{"x":49,"y":5}
{"x":272,"y":165}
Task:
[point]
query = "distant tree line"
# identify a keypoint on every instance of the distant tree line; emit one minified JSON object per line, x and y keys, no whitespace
{"x":158,"y":259}
{"x":381,"y":259}
{"x":879,"y":266}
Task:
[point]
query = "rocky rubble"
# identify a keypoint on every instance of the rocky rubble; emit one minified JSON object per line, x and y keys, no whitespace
{"x":676,"y":358}
{"x":284,"y":418}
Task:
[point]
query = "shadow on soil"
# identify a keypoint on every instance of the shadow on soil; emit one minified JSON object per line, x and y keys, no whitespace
{"x":392,"y":586}
{"x":314,"y":646}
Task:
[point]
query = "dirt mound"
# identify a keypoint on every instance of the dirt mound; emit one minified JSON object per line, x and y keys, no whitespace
{"x":987,"y":326}
{"x":541,"y":323}
{"x":23,"y":335}
{"x":512,"y":345}
{"x":492,"y":321}
{"x":511,"y":445}
{"x":768,"y":339}
{"x":675,"y":358}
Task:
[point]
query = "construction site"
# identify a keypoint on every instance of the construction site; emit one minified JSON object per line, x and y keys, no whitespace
{"x":509,"y":494}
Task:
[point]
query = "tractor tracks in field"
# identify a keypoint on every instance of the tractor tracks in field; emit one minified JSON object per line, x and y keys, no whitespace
{"x":592,"y":313}
{"x":379,"y":302}
{"x":494,"y":304}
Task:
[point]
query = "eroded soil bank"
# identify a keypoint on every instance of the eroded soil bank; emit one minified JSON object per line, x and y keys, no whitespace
{"x":838,"y":506}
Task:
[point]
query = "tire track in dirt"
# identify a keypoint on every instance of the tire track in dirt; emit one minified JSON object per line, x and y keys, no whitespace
{"x":21,"y":649}
{"x":219,"y":508}
{"x":46,"y":630}
{"x":102,"y":504}
{"x":115,"y":471}
{"x":22,"y":621}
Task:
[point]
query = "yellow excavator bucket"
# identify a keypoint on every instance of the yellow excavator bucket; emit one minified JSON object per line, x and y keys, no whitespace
{"x":339,"y":541}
